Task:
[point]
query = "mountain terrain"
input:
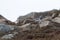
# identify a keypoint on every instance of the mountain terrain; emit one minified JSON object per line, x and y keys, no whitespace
{"x":33,"y":26}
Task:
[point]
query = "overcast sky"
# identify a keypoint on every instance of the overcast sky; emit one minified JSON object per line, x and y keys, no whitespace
{"x":11,"y":9}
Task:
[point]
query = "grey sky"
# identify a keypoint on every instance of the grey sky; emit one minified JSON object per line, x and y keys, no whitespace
{"x":11,"y":9}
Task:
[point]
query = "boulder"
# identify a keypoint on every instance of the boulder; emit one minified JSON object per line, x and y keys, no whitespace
{"x":57,"y":20}
{"x":7,"y":37}
{"x":28,"y":26}
{"x":25,"y":26}
{"x":6,"y":28}
{"x":44,"y":23}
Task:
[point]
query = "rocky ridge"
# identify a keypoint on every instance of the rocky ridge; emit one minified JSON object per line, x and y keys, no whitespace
{"x":33,"y":26}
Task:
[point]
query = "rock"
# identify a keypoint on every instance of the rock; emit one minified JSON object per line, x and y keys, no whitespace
{"x":33,"y":26}
{"x":57,"y":19}
{"x":32,"y":16}
{"x":59,"y":15}
{"x":3,"y":20}
{"x":44,"y":23}
{"x":15,"y":33}
{"x":7,"y":37}
{"x":6,"y":28}
{"x":39,"y":26}
{"x":25,"y":26}
{"x":28,"y":26}
{"x":37,"y":15}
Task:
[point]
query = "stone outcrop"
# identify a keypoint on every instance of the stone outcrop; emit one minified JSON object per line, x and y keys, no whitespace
{"x":33,"y":26}
{"x":6,"y":28}
{"x":39,"y":26}
{"x":37,"y":16}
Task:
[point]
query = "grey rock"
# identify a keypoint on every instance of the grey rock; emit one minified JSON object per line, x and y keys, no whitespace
{"x":44,"y":23}
{"x":25,"y":27}
{"x":6,"y":28}
{"x":33,"y":16}
{"x":15,"y":33}
{"x":9,"y":36}
{"x":57,"y":20}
